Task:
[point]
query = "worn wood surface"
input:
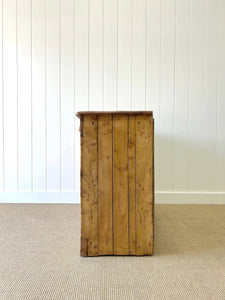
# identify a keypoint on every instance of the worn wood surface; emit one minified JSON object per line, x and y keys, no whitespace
{"x":105,"y":185}
{"x":144,"y":185}
{"x":84,"y":247}
{"x":120,"y":184}
{"x":131,"y":181}
{"x":117,"y":184}
{"x":79,"y":114}
{"x":89,"y":200}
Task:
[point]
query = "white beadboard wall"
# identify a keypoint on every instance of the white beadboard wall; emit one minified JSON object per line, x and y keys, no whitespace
{"x":62,"y":56}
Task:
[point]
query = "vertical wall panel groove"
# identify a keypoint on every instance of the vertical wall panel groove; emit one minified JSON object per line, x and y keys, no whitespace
{"x":210,"y":95}
{"x":139,"y":55}
{"x":117,"y":46}
{"x":203,"y":92}
{"x":74,"y":98}
{"x":60,"y":100}
{"x":110,"y":55}
{"x":146,"y":47}
{"x":103,"y":52}
{"x":153,"y":66}
{"x":88,"y":71}
{"x":67,"y":95}
{"x":159,"y":98}
{"x":174,"y":89}
{"x":181,"y":91}
{"x":81,"y":73}
{"x":95,"y":54}
{"x":2,"y":168}
{"x":10,"y":95}
{"x":131,"y":55}
{"x":217,"y":95}
{"x":53,"y":94}
{"x":221,"y":101}
{"x":124,"y":54}
{"x":31,"y":95}
{"x":17,"y":102}
{"x":196,"y":66}
{"x":188,"y":105}
{"x":24,"y":46}
{"x":46,"y":107}
{"x":167,"y":95}
{"x":38,"y":96}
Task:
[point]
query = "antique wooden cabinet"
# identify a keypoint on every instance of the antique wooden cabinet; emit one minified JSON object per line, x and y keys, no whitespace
{"x":117,"y":183}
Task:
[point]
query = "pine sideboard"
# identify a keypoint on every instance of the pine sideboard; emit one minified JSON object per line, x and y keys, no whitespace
{"x":117,"y":183}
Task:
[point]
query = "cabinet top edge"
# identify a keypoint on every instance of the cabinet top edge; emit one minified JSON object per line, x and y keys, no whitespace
{"x":81,"y":113}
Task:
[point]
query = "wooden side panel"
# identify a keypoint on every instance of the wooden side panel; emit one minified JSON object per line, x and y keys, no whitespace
{"x":131,"y":183}
{"x":89,"y":202}
{"x":120,"y":184}
{"x":105,"y":185}
{"x":84,"y":247}
{"x":144,"y":184}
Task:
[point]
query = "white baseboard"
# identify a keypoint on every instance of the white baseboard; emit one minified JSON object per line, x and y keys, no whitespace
{"x":74,"y":197}
{"x":39,"y":197}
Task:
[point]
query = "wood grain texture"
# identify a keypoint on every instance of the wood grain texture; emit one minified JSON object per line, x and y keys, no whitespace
{"x":105,"y":185}
{"x":117,"y":184}
{"x":89,"y":201}
{"x":144,"y":185}
{"x":120,"y":184}
{"x":131,"y":182}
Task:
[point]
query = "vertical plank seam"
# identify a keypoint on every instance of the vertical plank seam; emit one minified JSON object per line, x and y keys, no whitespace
{"x":112,"y":195}
{"x":31,"y":95}
{"x":128,"y":171}
{"x":97,"y":190}
{"x":135,"y":193}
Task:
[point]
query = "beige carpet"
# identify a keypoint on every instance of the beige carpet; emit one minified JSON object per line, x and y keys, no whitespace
{"x":39,"y":256}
